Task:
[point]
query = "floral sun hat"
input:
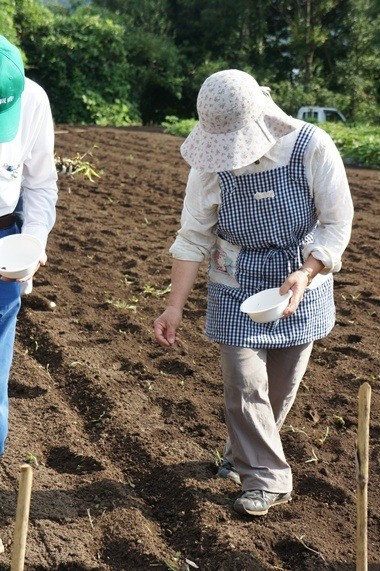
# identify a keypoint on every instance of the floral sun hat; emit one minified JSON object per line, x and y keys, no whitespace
{"x":12,"y":81}
{"x":238,"y":123}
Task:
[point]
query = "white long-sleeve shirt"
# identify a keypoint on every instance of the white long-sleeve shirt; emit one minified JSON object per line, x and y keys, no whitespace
{"x":328,"y":185}
{"x":27,"y":163}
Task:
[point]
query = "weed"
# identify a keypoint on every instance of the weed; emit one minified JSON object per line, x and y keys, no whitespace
{"x":99,"y":419}
{"x":150,"y":290}
{"x":174,"y":564}
{"x":314,"y":457}
{"x":35,"y":342}
{"x":324,"y":436}
{"x":218,"y":458}
{"x":47,"y":371}
{"x":339,"y":421}
{"x":148,"y":385}
{"x":122,"y":304}
{"x":300,"y":539}
{"x":76,"y":165}
{"x":31,"y":459}
{"x":75,"y":363}
{"x":353,"y":297}
{"x":90,"y":518}
{"x":293,"y":429}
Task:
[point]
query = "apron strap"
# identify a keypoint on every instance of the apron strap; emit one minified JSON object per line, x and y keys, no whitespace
{"x":296,"y":165}
{"x":227,"y":180}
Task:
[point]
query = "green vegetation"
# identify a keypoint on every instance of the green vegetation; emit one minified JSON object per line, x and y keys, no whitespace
{"x":358,"y":145}
{"x":112,"y":62}
{"x":178,"y":127}
{"x":76,"y":166}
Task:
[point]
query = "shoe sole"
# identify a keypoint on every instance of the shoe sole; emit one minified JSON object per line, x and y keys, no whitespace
{"x":242,"y":510}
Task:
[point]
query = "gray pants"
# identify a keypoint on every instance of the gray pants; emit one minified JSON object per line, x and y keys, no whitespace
{"x":260,"y":386}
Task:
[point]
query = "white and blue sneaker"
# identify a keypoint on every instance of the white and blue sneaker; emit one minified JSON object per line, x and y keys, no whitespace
{"x":227,"y":470}
{"x":258,"y":502}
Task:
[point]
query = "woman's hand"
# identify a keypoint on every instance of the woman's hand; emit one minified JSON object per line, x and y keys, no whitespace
{"x":297,"y":282}
{"x":165,"y":326}
{"x":183,"y":277}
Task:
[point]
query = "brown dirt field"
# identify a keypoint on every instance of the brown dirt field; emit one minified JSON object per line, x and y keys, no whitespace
{"x":125,"y":433}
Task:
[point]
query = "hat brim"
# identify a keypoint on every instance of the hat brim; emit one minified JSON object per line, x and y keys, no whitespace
{"x":227,"y":151}
{"x":9,"y":122}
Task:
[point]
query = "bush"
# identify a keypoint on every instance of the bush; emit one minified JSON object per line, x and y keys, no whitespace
{"x":359,"y":145}
{"x":118,"y":114}
{"x":156,"y":76}
{"x":180,"y":128}
{"x":81,"y":62}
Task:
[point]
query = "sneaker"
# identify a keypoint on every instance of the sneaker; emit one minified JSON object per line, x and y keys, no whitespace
{"x":258,"y":502}
{"x":227,"y":470}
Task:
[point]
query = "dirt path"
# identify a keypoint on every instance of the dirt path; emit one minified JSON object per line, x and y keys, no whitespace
{"x":124,"y":435}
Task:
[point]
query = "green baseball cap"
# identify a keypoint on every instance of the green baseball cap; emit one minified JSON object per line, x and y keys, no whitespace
{"x":12,"y":82}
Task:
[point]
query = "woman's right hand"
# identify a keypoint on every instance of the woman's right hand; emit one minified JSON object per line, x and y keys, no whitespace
{"x":165,"y":326}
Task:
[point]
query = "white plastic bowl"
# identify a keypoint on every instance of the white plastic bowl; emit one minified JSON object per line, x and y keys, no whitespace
{"x":267,"y":305}
{"x":19,"y":255}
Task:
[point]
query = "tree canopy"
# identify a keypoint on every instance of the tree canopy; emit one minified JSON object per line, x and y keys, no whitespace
{"x":123,"y":61}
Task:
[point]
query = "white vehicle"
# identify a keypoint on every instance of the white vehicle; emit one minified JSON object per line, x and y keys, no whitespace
{"x":320,"y":114}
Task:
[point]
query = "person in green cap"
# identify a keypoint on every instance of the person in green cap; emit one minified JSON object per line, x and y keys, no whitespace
{"x":27,"y":166}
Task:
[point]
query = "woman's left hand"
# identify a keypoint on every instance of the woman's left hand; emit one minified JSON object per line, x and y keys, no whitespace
{"x":297,"y":282}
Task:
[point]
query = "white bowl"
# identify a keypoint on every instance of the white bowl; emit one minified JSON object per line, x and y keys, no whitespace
{"x":19,"y":255}
{"x":267,"y":305}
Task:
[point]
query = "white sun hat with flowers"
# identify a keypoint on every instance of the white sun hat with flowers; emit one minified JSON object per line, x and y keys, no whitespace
{"x":238,"y":123}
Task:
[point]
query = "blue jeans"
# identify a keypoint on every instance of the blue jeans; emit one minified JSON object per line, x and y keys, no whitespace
{"x":9,"y":307}
{"x":19,"y":212}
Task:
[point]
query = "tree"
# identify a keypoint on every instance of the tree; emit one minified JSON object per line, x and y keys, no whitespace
{"x":359,"y":71}
{"x":7,"y":15}
{"x":307,"y":32}
{"x":157,"y":77}
{"x":145,"y":15}
{"x":81,"y":61}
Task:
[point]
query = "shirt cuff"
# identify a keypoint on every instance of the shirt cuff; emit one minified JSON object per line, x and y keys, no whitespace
{"x":39,"y":232}
{"x":319,"y":253}
{"x":182,"y":250}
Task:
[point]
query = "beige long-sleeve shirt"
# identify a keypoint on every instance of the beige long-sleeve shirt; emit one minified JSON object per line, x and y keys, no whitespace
{"x":328,"y":186}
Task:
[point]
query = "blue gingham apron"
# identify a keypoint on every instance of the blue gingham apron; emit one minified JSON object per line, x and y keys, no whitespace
{"x":268,"y":216}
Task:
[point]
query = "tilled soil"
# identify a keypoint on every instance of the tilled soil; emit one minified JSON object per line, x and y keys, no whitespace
{"x":124,"y":436}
